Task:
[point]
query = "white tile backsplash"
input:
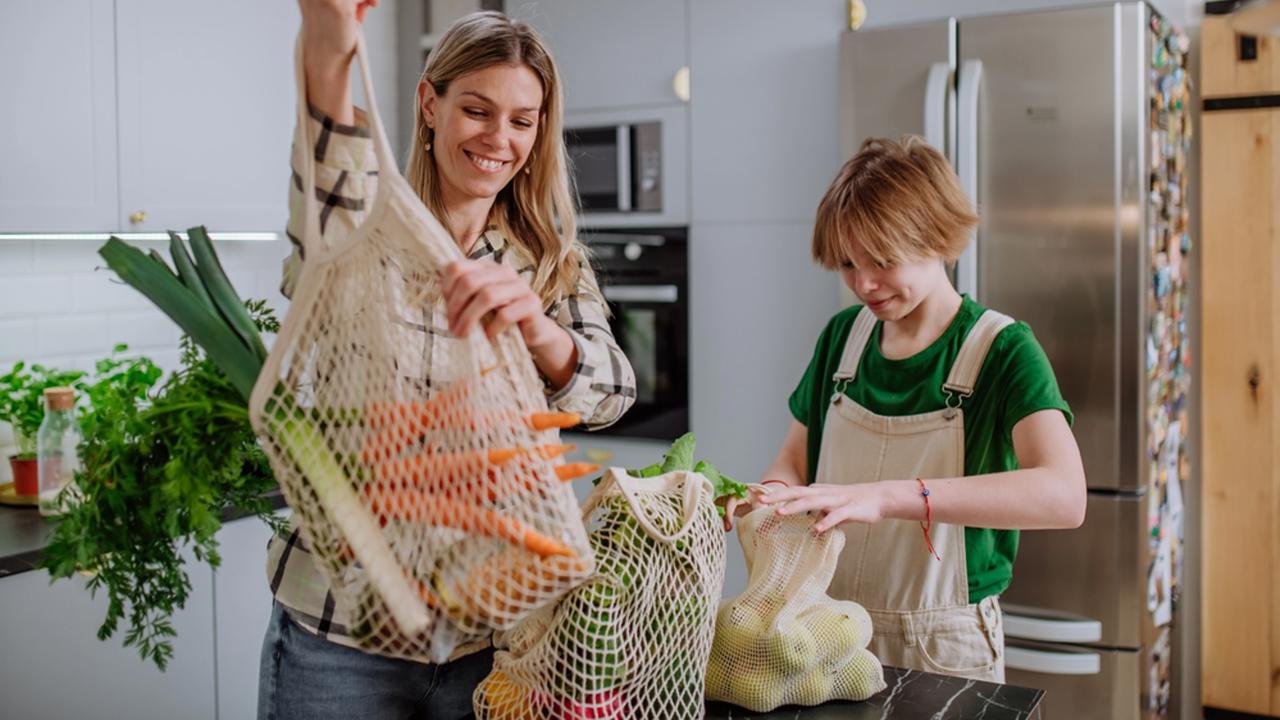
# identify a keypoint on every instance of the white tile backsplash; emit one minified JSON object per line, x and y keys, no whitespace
{"x":60,"y":306}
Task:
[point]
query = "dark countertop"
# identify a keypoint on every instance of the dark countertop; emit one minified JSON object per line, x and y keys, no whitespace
{"x":24,"y":533}
{"x":911,"y":694}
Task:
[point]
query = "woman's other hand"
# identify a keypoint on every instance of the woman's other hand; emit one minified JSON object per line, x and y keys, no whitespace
{"x":329,"y":32}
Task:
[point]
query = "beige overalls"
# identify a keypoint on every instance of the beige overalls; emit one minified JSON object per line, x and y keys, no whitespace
{"x":919,"y":605}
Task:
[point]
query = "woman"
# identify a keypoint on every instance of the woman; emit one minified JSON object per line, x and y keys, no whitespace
{"x":930,"y":428}
{"x":489,"y":163}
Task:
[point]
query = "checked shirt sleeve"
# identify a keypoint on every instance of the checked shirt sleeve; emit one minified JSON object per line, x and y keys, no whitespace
{"x":345,"y":184}
{"x":603,"y":385}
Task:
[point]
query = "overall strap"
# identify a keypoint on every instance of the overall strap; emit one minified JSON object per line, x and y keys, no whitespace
{"x":964,"y":371}
{"x":859,"y":334}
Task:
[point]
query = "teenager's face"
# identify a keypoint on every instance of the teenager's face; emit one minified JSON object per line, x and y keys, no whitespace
{"x":484,"y":126}
{"x":892,"y":293}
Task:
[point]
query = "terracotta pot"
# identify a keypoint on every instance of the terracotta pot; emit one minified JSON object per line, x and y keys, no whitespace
{"x":26,"y":479}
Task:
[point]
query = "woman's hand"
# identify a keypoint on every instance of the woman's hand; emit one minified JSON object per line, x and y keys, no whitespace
{"x":329,"y":32}
{"x":330,"y":27}
{"x":483,"y":292}
{"x":835,"y":504}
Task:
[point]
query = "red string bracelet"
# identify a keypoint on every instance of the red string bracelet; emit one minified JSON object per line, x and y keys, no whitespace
{"x":927,"y":525}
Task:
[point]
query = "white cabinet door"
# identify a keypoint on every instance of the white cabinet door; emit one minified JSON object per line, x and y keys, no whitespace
{"x":242,"y":602}
{"x":612,"y":54}
{"x":764,"y":118}
{"x":206,"y":113}
{"x":58,"y":127}
{"x":53,"y":666}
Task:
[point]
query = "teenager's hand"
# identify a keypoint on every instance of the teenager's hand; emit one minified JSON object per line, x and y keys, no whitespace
{"x":483,"y":292}
{"x":834,"y":504}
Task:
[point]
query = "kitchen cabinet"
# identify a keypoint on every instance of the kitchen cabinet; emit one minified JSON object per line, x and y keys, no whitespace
{"x":763,"y":114}
{"x":1240,"y":257}
{"x":206,"y":93}
{"x":145,"y":115}
{"x":54,"y":667}
{"x":242,"y":608}
{"x":610,"y":54}
{"x":58,"y":130}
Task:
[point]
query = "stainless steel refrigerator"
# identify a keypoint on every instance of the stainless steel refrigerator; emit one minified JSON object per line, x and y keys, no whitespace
{"x":1069,"y":130}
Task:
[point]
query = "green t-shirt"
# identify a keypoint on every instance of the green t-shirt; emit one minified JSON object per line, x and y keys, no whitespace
{"x":1015,"y":381}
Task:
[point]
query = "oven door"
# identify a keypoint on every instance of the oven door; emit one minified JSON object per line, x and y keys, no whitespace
{"x":650,"y":323}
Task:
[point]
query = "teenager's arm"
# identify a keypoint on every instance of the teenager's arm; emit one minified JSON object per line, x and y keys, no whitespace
{"x":1047,"y":492}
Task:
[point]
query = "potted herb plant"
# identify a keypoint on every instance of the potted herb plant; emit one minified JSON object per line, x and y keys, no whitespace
{"x":22,"y":406}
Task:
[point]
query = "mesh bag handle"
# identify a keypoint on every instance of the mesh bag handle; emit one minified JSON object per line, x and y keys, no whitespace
{"x":617,"y":479}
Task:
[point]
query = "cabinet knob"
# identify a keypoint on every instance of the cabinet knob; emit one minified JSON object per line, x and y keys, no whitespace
{"x":138,"y":217}
{"x":680,"y":84}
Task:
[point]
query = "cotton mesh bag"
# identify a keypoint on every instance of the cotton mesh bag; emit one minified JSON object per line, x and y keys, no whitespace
{"x":631,"y":642}
{"x":784,"y":641}
{"x":425,"y":473}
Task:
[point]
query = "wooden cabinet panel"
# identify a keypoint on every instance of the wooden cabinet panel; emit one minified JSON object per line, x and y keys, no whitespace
{"x":1240,"y":369}
{"x":1223,"y":73}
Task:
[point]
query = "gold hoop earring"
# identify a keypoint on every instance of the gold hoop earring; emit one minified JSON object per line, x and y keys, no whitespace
{"x":422,"y":136}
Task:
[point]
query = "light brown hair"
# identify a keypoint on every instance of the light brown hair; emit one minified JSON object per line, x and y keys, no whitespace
{"x":529,"y":209}
{"x":898,"y":201}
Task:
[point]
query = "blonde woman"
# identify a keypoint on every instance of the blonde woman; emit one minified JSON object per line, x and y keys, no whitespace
{"x":489,"y":161}
{"x":929,"y":428}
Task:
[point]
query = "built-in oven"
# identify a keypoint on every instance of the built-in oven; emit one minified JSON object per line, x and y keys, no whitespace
{"x":643,"y":274}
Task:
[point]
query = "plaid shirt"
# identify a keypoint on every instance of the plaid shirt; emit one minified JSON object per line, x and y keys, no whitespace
{"x":600,"y":391}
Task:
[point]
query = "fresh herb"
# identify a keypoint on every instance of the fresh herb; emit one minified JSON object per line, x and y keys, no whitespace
{"x":159,"y":466}
{"x":22,"y":400}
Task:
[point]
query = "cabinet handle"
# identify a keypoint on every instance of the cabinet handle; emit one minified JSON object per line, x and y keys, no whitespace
{"x":138,"y":217}
{"x":680,"y":84}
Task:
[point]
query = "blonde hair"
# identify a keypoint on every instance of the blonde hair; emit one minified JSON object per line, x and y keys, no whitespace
{"x":528,"y":209}
{"x":897,"y":201}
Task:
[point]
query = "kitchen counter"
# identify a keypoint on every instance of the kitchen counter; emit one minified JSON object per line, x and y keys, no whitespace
{"x":911,"y":694}
{"x":24,"y":534}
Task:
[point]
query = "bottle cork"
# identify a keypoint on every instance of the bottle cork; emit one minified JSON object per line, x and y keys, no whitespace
{"x":60,"y":398}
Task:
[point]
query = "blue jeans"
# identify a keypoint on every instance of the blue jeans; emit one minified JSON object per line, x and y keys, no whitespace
{"x":305,"y":677}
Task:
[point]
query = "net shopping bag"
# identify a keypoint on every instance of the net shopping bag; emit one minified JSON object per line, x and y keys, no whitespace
{"x":631,"y":642}
{"x":423,"y":482}
{"x":784,"y":640}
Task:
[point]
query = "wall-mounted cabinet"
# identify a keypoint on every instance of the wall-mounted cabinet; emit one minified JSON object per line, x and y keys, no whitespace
{"x":142,"y":115}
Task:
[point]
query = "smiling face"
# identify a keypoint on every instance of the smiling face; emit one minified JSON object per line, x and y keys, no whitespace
{"x":893,"y":292}
{"x":484,"y":127}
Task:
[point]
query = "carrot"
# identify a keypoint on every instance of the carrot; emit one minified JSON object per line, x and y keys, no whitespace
{"x":556,"y":420}
{"x":434,"y":409}
{"x":570,"y":471}
{"x":443,"y":469}
{"x":509,"y":583}
{"x":391,"y":439}
{"x":414,"y":506}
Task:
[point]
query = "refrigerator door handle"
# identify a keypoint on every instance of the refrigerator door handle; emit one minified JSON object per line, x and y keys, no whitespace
{"x":937,"y":90}
{"x":967,"y":167}
{"x":1052,"y":663}
{"x":1051,"y":630}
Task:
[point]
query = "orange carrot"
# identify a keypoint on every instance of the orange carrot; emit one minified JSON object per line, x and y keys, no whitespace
{"x":569,"y":471}
{"x":447,"y":468}
{"x":558,"y":420}
{"x":413,"y":506}
{"x":385,"y":414}
{"x":390,"y":440}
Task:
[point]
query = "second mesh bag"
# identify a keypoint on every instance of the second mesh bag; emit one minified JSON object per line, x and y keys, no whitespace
{"x":421,"y":472}
{"x":632,"y":642}
{"x":784,"y":641}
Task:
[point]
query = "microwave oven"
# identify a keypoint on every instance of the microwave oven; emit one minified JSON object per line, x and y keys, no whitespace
{"x":629,"y":167}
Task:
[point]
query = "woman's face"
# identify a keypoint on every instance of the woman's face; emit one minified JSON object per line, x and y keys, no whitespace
{"x":891,"y":293}
{"x":484,"y":126}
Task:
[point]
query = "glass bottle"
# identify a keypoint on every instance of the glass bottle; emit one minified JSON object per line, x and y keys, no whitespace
{"x":57,"y":444}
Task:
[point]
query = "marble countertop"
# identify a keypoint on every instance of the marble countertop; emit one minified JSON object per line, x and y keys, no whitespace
{"x":912,"y":695}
